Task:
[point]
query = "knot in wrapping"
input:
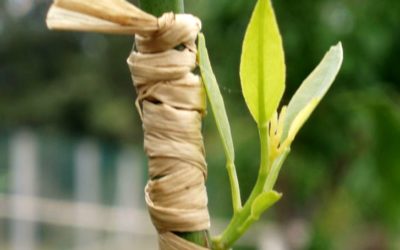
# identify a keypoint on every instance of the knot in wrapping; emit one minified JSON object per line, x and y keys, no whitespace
{"x":171,"y":102}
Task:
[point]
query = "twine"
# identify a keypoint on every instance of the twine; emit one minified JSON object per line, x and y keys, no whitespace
{"x":170,"y":101}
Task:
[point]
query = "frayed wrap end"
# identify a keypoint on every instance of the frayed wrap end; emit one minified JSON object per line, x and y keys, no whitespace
{"x":104,"y":16}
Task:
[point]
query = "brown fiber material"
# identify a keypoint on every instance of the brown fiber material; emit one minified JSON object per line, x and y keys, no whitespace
{"x":171,"y":102}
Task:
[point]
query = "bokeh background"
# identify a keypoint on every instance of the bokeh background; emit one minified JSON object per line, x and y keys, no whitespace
{"x":72,"y":168}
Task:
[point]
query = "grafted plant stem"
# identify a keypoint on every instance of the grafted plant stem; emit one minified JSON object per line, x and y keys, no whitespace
{"x":157,"y":8}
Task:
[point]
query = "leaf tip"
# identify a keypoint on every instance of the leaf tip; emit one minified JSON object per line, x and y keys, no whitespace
{"x":338,"y":48}
{"x":278,"y":195}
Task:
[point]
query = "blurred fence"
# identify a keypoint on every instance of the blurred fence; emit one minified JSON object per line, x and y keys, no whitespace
{"x":61,"y":185}
{"x":59,"y":193}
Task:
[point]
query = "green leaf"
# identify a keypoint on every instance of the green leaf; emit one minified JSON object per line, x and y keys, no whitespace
{"x":221,"y":119}
{"x":262,"y":67}
{"x":263,"y":202}
{"x":311,"y":91}
{"x":215,"y":98}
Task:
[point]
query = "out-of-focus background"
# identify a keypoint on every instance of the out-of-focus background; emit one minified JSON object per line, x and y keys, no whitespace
{"x":72,"y":168}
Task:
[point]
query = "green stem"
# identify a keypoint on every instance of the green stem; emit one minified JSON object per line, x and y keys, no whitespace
{"x":264,"y":165}
{"x":270,"y":167}
{"x":236,"y":227}
{"x":235,"y":190}
{"x":275,"y":169}
{"x":157,"y":8}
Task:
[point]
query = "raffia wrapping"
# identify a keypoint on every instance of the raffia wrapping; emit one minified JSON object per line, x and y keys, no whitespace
{"x":170,"y":101}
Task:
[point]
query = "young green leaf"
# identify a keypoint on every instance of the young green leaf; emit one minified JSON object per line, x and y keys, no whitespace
{"x":311,"y":91}
{"x":215,"y":98}
{"x":262,"y":67}
{"x":260,"y":204}
{"x":221,"y":119}
{"x":264,"y":201}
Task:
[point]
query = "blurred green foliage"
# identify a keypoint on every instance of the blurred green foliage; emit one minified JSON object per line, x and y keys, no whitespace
{"x":343,"y":175}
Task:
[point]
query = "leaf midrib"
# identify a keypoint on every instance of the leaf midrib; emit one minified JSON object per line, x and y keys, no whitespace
{"x":261,"y":71}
